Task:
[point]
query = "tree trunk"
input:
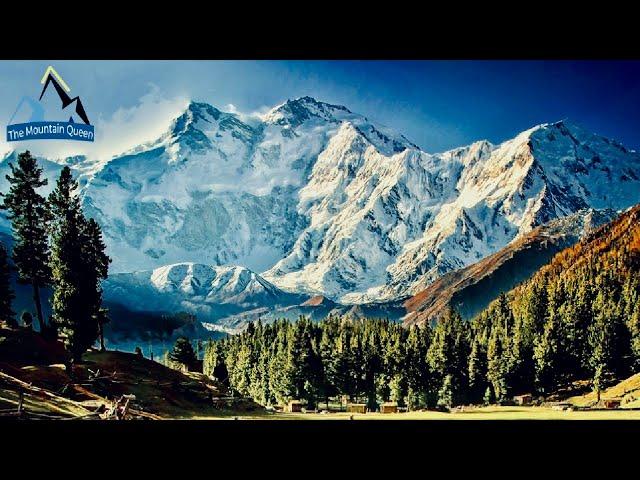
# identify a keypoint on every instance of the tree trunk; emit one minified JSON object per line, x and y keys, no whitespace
{"x":36,"y":300}
{"x":68,"y":365}
{"x":101,"y":332}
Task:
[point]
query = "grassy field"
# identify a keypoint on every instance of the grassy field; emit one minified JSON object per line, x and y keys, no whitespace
{"x":483,"y":413}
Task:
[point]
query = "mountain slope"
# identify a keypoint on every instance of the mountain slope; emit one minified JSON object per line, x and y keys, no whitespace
{"x":599,"y":274}
{"x":576,"y":319}
{"x":472,"y":288}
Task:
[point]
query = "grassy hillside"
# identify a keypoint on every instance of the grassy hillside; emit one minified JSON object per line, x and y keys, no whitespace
{"x":627,"y":390}
{"x":160,"y":392}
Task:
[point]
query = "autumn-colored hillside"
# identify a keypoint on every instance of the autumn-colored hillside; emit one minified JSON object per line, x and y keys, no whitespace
{"x":470,"y":290}
{"x":577,"y":318}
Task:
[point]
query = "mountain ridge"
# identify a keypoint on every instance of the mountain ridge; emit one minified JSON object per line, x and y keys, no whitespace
{"x":211,"y":292}
{"x":324,"y":202}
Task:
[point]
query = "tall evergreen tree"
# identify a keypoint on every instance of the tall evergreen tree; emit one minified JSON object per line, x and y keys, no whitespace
{"x":417,"y":371}
{"x":497,"y":362}
{"x":477,"y":370}
{"x":29,"y":216}
{"x":70,"y":314}
{"x":546,"y":350}
{"x":280,"y":366}
{"x":449,"y":352}
{"x":6,"y":292}
{"x":327,"y":348}
{"x":95,"y":268}
{"x":78,"y":264}
{"x":609,"y":340}
{"x":182,"y":352}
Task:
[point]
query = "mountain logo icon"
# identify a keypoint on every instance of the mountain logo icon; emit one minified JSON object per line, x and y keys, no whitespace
{"x":77,"y":127}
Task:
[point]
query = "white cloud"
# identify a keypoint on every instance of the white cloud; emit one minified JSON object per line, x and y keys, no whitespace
{"x":129,"y":127}
{"x":231,"y":108}
{"x":252,"y":117}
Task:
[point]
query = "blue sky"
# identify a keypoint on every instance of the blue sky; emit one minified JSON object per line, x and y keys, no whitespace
{"x":437,"y":104}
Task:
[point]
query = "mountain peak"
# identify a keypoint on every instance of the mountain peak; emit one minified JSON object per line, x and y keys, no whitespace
{"x":197,"y":278}
{"x":310,"y":102}
{"x":197,"y":111}
{"x":575,"y":134}
{"x":297,"y":111}
{"x":195,"y":127}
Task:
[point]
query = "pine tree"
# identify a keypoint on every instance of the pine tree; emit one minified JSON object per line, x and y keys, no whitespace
{"x":398,"y":388}
{"x":182,"y":352}
{"x":372,"y":363}
{"x":520,"y":364}
{"x":69,"y":300}
{"x":214,"y":361}
{"x":488,"y":397}
{"x":598,"y":381}
{"x":94,"y":269}
{"x":6,"y":292}
{"x":449,"y":352}
{"x":395,"y":366}
{"x":445,"y":394}
{"x":477,"y":370}
{"x":29,"y":218}
{"x":577,"y":316}
{"x":280,"y":366}
{"x":546,"y":355}
{"x":78,"y":264}
{"x":344,"y":363}
{"x":547,"y":350}
{"x":304,"y":362}
{"x":417,"y":369}
{"x":328,"y":360}
{"x":497,"y":363}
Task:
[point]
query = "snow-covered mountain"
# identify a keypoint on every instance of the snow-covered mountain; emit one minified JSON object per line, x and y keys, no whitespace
{"x":217,"y":190}
{"x":383,"y":226}
{"x":325,"y":202}
{"x":210,"y":292}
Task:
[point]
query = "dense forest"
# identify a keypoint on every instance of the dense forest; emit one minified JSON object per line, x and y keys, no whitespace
{"x":577,"y":318}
